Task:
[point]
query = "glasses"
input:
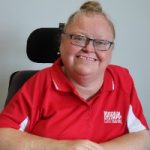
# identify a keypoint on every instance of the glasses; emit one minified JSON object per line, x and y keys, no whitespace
{"x":83,"y":41}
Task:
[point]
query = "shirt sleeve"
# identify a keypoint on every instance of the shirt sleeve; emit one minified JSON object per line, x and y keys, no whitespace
{"x":22,"y":111}
{"x":136,"y":120}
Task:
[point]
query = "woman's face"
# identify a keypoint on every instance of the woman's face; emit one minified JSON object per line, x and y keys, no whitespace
{"x":85,"y":61}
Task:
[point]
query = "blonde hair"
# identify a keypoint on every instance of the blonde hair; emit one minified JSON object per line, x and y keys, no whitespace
{"x":90,"y":8}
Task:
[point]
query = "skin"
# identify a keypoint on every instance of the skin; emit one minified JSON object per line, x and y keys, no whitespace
{"x":85,"y":66}
{"x":86,"y":75}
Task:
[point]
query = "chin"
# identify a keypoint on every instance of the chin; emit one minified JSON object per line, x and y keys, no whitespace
{"x":85,"y":71}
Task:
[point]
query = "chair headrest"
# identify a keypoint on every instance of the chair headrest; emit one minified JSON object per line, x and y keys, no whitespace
{"x":43,"y":44}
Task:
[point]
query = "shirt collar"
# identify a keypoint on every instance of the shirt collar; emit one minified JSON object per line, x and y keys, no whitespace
{"x":108,"y":84}
{"x":61,"y":82}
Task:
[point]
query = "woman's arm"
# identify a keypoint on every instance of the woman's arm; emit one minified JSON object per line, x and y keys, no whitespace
{"x":11,"y":139}
{"x":132,"y":141}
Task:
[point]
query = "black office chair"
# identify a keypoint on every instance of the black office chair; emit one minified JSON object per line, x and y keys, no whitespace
{"x":42,"y":47}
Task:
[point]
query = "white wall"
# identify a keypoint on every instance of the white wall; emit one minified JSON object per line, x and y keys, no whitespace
{"x":18,"y":18}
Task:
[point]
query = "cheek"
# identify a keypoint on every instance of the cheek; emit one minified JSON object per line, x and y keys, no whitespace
{"x":109,"y":57}
{"x":105,"y":57}
{"x":67,"y":53}
{"x":68,"y":50}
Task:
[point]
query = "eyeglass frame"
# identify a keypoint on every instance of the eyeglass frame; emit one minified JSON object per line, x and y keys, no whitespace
{"x":87,"y":40}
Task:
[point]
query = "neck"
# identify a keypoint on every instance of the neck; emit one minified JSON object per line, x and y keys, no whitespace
{"x":86,"y":85}
{"x":88,"y":91}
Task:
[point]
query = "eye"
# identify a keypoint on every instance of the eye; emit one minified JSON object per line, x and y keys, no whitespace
{"x":101,"y":42}
{"x":78,"y":38}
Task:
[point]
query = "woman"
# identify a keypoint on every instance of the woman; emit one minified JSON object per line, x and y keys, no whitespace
{"x":81,"y":102}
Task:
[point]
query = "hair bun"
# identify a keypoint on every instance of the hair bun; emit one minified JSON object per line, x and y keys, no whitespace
{"x":91,"y":6}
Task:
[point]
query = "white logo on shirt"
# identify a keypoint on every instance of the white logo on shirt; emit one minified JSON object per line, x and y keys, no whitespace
{"x":112,"y":117}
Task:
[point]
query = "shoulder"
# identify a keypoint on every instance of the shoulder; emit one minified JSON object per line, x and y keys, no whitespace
{"x":42,"y":74}
{"x":118,"y":71}
{"x":121,"y":77}
{"x":44,"y":77}
{"x":46,"y":73}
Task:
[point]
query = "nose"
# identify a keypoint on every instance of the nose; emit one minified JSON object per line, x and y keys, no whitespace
{"x":89,"y":47}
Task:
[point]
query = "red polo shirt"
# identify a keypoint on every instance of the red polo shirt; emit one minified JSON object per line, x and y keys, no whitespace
{"x":48,"y":105}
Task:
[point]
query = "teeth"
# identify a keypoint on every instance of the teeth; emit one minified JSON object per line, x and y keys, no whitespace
{"x":87,"y":58}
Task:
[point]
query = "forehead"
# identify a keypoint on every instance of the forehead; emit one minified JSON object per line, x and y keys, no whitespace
{"x":95,"y":25}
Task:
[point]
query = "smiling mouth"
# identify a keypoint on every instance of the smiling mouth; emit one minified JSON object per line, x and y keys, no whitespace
{"x":87,"y":58}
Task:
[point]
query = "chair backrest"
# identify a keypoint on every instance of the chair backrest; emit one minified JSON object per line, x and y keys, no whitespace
{"x":17,"y":79}
{"x":42,"y":47}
